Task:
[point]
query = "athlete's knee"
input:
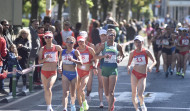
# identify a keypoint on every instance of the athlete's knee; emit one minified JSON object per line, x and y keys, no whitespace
{"x":111,"y":93}
{"x":66,"y":93}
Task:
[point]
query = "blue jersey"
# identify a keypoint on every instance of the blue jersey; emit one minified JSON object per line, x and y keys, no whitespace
{"x":65,"y":57}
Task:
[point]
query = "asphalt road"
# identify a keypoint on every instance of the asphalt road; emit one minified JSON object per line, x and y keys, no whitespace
{"x":161,"y":94}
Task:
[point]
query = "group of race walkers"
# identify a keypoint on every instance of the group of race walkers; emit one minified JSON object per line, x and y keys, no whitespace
{"x":173,"y":44}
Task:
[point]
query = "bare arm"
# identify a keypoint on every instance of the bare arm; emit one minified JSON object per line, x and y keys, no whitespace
{"x":98,"y":50}
{"x":129,"y":62}
{"x":40,"y":59}
{"x":79,"y":59}
{"x":121,"y":54}
{"x":153,"y":60}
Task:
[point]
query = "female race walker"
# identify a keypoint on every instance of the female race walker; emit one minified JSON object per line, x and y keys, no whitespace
{"x":48,"y":55}
{"x":139,"y":73}
{"x":87,"y":54}
{"x":69,"y":58}
{"x":112,"y":54}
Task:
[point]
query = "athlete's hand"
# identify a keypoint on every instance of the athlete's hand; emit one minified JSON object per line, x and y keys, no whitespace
{"x":149,"y":69}
{"x":128,"y":69}
{"x":60,"y":71}
{"x":95,"y":71}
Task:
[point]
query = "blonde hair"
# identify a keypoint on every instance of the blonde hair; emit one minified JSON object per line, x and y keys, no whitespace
{"x":27,"y":32}
{"x":72,"y":38}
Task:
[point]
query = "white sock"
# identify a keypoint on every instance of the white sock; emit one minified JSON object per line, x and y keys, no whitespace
{"x":49,"y":107}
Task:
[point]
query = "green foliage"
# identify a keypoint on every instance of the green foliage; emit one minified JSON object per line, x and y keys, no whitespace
{"x":90,"y":3}
{"x":25,"y":22}
{"x":42,"y":6}
{"x":147,"y":12}
{"x":26,"y":7}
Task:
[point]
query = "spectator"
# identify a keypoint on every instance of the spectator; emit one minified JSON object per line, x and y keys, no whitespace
{"x":57,"y":34}
{"x":122,"y":32}
{"x":66,"y":32}
{"x":41,"y":35}
{"x":35,"y":43}
{"x":76,"y":32}
{"x":13,"y":60}
{"x":131,"y":33}
{"x":3,"y":53}
{"x":23,"y":43}
{"x":95,"y":33}
{"x":90,"y":31}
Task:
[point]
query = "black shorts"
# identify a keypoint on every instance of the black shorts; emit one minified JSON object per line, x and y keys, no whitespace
{"x":168,"y":51}
{"x":177,"y":51}
{"x":157,"y":48}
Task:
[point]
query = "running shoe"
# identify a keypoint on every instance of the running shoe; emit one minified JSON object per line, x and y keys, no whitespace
{"x":81,"y":108}
{"x":73,"y":108}
{"x":171,"y":72}
{"x":10,"y":94}
{"x":143,"y":107}
{"x":85,"y":105}
{"x":24,"y":88}
{"x":137,"y":110}
{"x":65,"y":110}
{"x":49,"y":109}
{"x":157,"y":70}
{"x":113,"y":104}
{"x":101,"y":105}
{"x":182,"y":75}
{"x":178,"y":73}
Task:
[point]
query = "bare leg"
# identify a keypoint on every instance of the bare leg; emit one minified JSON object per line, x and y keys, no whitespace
{"x":100,"y":85}
{"x":89,"y":84}
{"x":65,"y":86}
{"x":112,"y":83}
{"x":106,"y":87}
{"x":73,"y":86}
{"x":141,"y":88}
{"x":134,"y":83}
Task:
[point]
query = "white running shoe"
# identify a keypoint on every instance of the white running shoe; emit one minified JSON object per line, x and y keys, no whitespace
{"x":10,"y":94}
{"x":24,"y":88}
{"x":101,"y":105}
{"x":49,"y":109}
{"x":143,"y":107}
{"x":137,"y":110}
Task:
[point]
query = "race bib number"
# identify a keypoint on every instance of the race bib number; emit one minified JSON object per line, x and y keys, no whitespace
{"x":52,"y":57}
{"x":65,"y":59}
{"x":158,"y":42}
{"x":112,"y":58}
{"x":185,"y":41}
{"x":140,"y":60}
{"x":85,"y":57}
{"x":165,"y":42}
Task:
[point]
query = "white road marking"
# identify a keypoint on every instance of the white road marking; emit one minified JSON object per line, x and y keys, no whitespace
{"x":28,"y":96}
{"x":124,"y":107}
{"x":150,"y":97}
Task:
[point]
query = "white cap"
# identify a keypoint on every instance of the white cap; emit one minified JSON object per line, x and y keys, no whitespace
{"x":140,"y":38}
{"x":102,"y":31}
{"x":83,"y":33}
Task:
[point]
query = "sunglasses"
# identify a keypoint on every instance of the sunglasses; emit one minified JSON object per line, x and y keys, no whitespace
{"x":111,"y":34}
{"x":47,"y":37}
{"x":6,"y":24}
{"x":70,"y":42}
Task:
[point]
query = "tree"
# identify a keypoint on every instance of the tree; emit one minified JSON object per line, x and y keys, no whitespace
{"x":74,"y":11}
{"x":34,"y":9}
{"x":60,"y":8}
{"x":84,"y":14}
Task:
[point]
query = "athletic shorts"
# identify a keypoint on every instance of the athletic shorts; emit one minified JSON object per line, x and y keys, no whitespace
{"x":48,"y":74}
{"x":168,"y":51}
{"x":108,"y":71}
{"x":70,"y":74}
